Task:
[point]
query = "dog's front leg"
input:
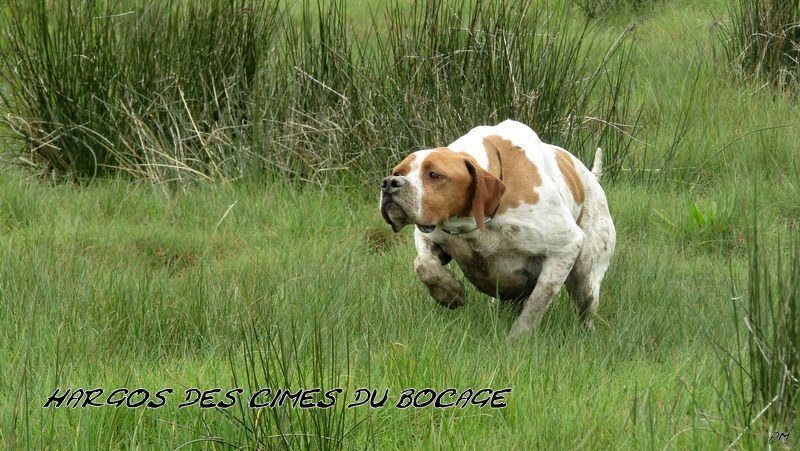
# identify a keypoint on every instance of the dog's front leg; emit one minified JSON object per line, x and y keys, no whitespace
{"x":555,"y":270}
{"x":429,"y":266}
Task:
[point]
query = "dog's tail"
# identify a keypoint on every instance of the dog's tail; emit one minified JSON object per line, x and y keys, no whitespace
{"x":597,"y":166}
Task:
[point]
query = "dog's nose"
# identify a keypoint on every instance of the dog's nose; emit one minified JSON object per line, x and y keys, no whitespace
{"x":392,"y":184}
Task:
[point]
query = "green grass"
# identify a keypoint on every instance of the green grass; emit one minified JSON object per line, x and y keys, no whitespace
{"x":120,"y":283}
{"x":144,"y":291}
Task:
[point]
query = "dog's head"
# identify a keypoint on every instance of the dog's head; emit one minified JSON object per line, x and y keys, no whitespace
{"x":432,"y":186}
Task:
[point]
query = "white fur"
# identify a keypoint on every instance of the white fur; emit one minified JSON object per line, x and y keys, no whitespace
{"x":528,"y":251}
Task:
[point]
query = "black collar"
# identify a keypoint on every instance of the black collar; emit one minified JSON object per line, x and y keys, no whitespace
{"x":459,"y":232}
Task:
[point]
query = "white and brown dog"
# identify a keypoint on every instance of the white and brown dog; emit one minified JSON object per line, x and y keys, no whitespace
{"x":520,"y":217}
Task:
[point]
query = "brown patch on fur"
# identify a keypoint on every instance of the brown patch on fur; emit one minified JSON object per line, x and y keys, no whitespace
{"x":449,"y":196}
{"x":405,"y":166}
{"x":509,"y":163}
{"x":462,"y":188}
{"x":567,"y":168}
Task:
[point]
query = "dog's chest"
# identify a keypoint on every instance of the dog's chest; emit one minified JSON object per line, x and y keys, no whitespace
{"x":494,"y":266}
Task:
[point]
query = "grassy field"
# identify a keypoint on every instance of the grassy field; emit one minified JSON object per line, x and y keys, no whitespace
{"x":256,"y":283}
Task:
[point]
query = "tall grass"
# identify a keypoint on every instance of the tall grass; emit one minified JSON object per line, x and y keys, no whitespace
{"x":273,"y":361}
{"x":216,"y":89}
{"x":762,"y":374}
{"x":156,"y":89}
{"x":763,"y":39}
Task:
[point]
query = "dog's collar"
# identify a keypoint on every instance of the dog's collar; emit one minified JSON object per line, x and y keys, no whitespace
{"x":459,"y":232}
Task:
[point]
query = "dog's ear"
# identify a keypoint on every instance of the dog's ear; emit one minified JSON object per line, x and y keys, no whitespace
{"x":486,"y":193}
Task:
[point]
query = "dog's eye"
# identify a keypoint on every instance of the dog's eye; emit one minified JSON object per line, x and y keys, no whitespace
{"x":435,"y":176}
{"x":397,"y":174}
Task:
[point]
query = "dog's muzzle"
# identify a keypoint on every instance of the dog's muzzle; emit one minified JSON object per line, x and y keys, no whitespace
{"x":394,"y":204}
{"x":392,"y":184}
{"x":391,"y":211}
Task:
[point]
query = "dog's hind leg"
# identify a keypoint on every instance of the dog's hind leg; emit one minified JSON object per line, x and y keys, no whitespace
{"x":583,"y":286}
{"x":583,"y":282}
{"x":555,"y":269}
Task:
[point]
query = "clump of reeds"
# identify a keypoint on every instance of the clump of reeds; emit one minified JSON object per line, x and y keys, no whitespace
{"x":174,"y":91}
{"x":762,"y":39}
{"x":286,"y":360}
{"x":761,"y":394}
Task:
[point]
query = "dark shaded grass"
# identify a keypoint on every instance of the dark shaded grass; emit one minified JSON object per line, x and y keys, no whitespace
{"x":171,"y":91}
{"x":600,"y":8}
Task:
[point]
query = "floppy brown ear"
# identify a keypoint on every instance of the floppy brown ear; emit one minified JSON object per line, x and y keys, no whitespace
{"x":486,"y":193}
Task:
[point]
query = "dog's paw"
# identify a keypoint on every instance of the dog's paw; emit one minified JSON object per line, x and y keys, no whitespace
{"x":449,"y":293}
{"x":519,"y":331}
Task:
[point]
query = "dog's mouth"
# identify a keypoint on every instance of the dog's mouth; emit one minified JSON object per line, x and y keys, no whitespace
{"x":393,"y":214}
{"x":396,"y":216}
